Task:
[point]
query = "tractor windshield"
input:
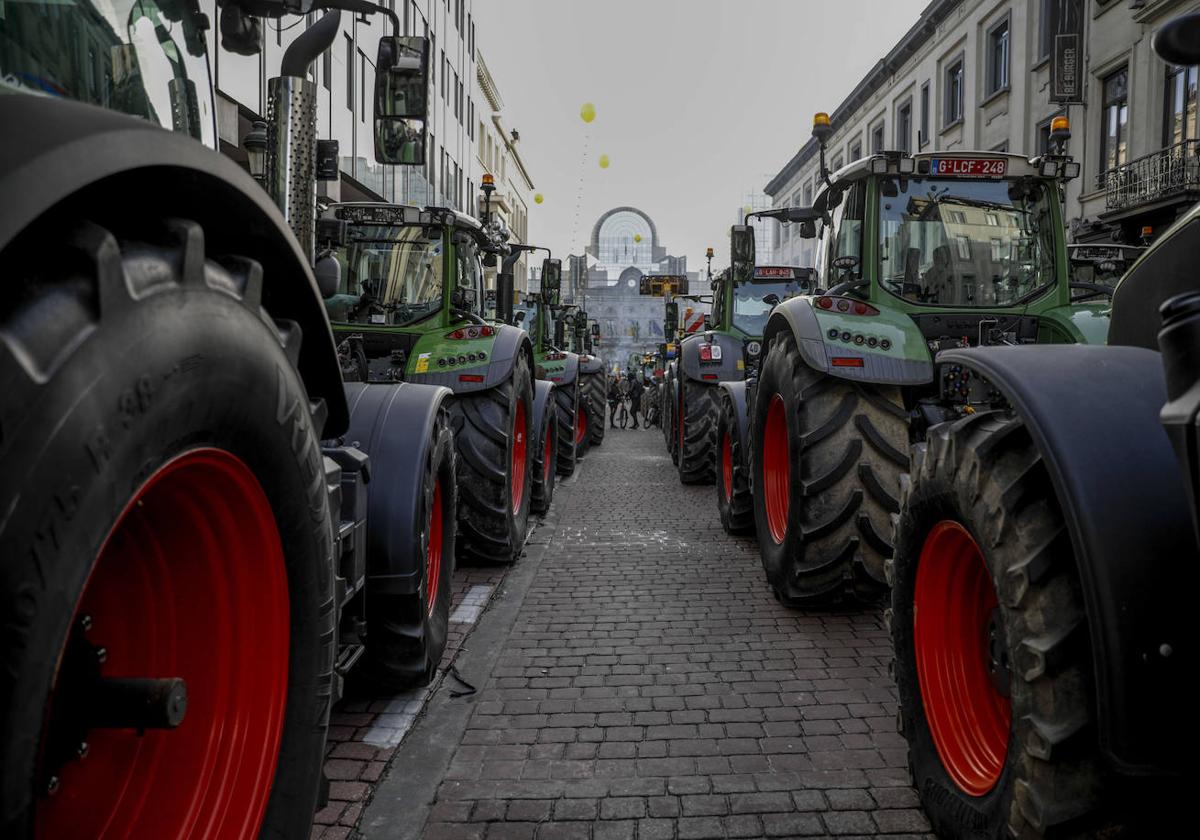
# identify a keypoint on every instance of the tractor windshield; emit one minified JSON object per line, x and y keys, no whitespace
{"x":753,"y":302}
{"x":141,"y":57}
{"x":965,"y":243}
{"x":391,"y":276}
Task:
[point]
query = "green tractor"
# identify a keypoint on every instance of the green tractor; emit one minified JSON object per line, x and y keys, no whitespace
{"x":193,"y":557}
{"x":408,"y":308}
{"x":920,"y":253}
{"x":1045,"y":567}
{"x":557,"y":366}
{"x":580,"y":337}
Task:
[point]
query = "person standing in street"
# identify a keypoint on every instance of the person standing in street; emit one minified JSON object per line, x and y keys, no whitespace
{"x":614,"y":397}
{"x":635,"y":397}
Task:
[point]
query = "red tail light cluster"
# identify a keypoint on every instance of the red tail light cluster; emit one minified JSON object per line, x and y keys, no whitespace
{"x":847,"y":305}
{"x":555,"y":357}
{"x":710,"y":352}
{"x":467,"y":333}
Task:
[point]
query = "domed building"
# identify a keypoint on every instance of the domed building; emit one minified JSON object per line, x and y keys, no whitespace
{"x":604,"y":280}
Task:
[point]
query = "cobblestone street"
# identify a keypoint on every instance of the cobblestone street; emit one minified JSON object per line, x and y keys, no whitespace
{"x":637,"y":680}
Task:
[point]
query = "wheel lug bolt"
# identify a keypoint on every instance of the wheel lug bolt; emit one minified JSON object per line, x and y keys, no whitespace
{"x":82,"y":749}
{"x":101,"y":655}
{"x":52,"y":785}
{"x":85,"y":623}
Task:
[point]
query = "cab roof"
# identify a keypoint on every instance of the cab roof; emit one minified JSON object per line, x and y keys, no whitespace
{"x":383,"y":212}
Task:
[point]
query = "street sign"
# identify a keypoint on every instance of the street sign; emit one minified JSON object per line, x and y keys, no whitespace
{"x":1066,"y":51}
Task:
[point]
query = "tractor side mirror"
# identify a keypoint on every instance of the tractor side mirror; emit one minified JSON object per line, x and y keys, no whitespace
{"x":551,"y":281}
{"x":741,"y":244}
{"x":519,"y":316}
{"x":672,"y":318}
{"x":401,"y":100}
{"x":560,"y":333}
{"x":328,"y":272}
{"x":595,"y":331}
{"x":808,"y":230}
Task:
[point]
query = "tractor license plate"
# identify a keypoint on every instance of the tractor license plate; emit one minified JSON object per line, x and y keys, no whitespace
{"x":969,"y":167}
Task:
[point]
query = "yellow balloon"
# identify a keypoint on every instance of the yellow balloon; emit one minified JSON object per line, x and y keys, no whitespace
{"x":604,"y":161}
{"x":637,"y":237}
{"x":537,"y":199}
{"x":588,"y":112}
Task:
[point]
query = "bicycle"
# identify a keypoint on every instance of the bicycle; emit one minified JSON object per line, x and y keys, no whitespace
{"x":623,"y":413}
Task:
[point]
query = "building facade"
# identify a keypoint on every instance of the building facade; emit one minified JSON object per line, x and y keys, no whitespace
{"x":975,"y":74}
{"x":624,"y":246}
{"x":496,"y":151}
{"x":344,"y":76}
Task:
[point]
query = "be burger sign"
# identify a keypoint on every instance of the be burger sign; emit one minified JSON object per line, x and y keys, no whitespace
{"x":1066,"y":51}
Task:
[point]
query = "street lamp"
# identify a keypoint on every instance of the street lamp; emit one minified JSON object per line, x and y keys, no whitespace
{"x":255,"y":144}
{"x":708,"y":255}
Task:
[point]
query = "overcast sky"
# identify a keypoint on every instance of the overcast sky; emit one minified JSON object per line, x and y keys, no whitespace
{"x":697,"y":101}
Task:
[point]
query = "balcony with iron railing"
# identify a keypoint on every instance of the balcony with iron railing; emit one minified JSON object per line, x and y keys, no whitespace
{"x":1173,"y":171}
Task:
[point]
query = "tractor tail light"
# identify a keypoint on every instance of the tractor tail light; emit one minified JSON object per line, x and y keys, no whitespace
{"x":470,"y":377}
{"x":849,"y":306}
{"x":468,"y":333}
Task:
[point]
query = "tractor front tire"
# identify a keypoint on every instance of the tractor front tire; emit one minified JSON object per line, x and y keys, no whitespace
{"x":734,"y":502}
{"x":545,"y":462}
{"x":566,"y":409}
{"x":697,"y":442}
{"x":164,"y":501}
{"x":992,"y":652}
{"x":492,"y":434}
{"x":595,"y":390}
{"x":406,"y":634}
{"x":828,"y":455}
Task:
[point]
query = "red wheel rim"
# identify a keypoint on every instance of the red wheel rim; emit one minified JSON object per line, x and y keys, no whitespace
{"x":580,"y":426}
{"x":433,"y":554}
{"x":727,"y":466}
{"x":190,"y":583}
{"x":518,"y":456}
{"x":547,"y":451}
{"x":776,"y":469}
{"x":953,"y":605}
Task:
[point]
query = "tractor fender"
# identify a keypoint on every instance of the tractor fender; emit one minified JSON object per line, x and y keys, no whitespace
{"x":1093,"y":413}
{"x":732,"y":366}
{"x":905,"y":362}
{"x":508,"y":343}
{"x":393,"y":423}
{"x":72,"y":158}
{"x":542,"y":396}
{"x":562,"y":372}
{"x":590,"y":364}
{"x":737,"y":393}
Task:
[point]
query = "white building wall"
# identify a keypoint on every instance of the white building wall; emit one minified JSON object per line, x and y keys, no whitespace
{"x":345,"y":82}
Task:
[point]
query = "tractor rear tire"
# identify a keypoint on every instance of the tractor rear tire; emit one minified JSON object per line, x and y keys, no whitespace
{"x":828,"y":455}
{"x":734,"y":502}
{"x":697,"y":442}
{"x":406,"y":634}
{"x":545,"y":461}
{"x":566,"y":410}
{"x":595,"y":389}
{"x":983,"y":554}
{"x":492,"y":430}
{"x":164,"y":498}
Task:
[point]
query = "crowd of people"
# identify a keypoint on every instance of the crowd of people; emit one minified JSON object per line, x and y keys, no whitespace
{"x":626,"y":392}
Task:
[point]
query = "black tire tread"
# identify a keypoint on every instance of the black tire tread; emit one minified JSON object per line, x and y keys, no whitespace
{"x":985,"y":472}
{"x":737,"y":514}
{"x":595,"y":390}
{"x":698,"y":448}
{"x":566,"y":406}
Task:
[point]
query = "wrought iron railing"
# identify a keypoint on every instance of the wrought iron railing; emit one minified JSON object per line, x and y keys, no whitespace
{"x":1173,"y":170}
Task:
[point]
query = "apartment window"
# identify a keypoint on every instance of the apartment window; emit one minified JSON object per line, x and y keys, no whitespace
{"x":855,"y":151}
{"x":349,"y":72}
{"x":1181,"y":106}
{"x":471,"y":27}
{"x":327,"y":69}
{"x":837,"y":163}
{"x":998,"y":52}
{"x":923,"y":134}
{"x":445,"y":74}
{"x":1045,"y":36}
{"x":904,"y":127}
{"x":1043,"y":137}
{"x":434,"y":69}
{"x":964,"y":246}
{"x":1114,"y":118}
{"x":808,"y":192}
{"x":430,"y":164}
{"x":877,"y":138}
{"x":954,"y":80}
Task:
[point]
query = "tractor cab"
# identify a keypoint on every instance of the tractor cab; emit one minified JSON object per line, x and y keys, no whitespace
{"x":407,"y":276}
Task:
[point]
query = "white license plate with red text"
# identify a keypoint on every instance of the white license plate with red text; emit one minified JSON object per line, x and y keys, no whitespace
{"x":969,"y":167}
